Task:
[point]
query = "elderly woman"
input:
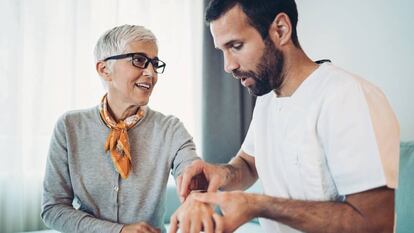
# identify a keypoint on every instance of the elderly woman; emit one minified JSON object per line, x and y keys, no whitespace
{"x":108,"y":165}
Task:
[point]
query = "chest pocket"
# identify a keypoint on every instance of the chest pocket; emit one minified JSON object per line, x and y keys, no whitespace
{"x":307,"y":174}
{"x":308,"y":177}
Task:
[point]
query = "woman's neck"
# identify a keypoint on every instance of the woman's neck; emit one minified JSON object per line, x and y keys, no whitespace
{"x":121,"y":111}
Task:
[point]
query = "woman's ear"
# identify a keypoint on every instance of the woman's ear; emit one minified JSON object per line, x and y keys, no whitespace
{"x":280,"y":30}
{"x":103,"y":70}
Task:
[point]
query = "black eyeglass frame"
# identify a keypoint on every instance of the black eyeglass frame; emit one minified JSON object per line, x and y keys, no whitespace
{"x":153,"y":61}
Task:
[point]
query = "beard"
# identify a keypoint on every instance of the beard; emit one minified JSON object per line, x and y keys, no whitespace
{"x":269,"y":75}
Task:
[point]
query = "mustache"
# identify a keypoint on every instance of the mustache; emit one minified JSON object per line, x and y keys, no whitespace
{"x":244,"y":74}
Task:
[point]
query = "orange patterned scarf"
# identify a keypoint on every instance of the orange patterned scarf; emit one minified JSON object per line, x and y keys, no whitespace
{"x":117,"y":142}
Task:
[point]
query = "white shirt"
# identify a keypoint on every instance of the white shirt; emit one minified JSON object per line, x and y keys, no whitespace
{"x":325,"y":141}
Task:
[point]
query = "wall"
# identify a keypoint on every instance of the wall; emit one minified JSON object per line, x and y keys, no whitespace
{"x":371,"y":38}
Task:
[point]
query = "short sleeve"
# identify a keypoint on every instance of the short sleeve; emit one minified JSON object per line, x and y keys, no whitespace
{"x":348,"y":138}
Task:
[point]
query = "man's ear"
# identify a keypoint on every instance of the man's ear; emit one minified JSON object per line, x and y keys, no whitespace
{"x":103,"y":70}
{"x":280,"y":30}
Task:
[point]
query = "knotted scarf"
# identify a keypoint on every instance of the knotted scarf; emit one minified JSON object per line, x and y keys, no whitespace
{"x":117,"y":142}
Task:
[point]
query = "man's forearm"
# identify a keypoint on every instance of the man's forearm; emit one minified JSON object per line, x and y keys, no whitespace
{"x":240,"y":174}
{"x":318,"y":217}
{"x":325,"y":217}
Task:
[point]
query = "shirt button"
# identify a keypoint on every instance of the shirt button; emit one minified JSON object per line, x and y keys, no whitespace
{"x":116,"y":188}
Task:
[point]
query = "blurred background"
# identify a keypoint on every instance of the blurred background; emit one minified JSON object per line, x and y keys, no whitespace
{"x":47,"y":68}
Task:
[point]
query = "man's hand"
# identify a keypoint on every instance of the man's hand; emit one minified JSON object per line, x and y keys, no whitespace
{"x":141,"y":227}
{"x":237,"y":207}
{"x":201,"y":175}
{"x":194,"y":216}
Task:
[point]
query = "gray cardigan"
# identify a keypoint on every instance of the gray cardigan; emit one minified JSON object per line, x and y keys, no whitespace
{"x":82,"y":192}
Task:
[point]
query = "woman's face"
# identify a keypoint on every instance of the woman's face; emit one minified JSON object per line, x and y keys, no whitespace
{"x":131,"y":85}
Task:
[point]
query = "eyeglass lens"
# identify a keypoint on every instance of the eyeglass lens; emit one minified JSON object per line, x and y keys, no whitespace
{"x":142,"y":61}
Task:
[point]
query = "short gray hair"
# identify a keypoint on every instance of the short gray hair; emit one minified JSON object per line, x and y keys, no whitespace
{"x":115,"y":40}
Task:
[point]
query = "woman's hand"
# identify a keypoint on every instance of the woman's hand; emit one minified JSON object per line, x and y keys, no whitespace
{"x":194,"y":216}
{"x":141,"y":227}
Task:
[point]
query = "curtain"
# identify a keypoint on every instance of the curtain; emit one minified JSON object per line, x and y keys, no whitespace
{"x":47,"y":68}
{"x":226,"y":106}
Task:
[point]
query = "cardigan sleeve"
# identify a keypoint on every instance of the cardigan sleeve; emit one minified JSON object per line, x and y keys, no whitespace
{"x":57,"y":209}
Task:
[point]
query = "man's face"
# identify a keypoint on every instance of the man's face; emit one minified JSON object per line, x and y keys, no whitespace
{"x":256,"y":62}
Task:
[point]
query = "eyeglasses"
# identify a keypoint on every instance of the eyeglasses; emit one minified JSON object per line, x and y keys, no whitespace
{"x":141,"y":60}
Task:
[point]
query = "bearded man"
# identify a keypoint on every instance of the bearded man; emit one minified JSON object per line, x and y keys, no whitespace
{"x":323,"y":142}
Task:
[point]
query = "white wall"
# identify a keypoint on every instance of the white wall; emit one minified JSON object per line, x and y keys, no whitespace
{"x":371,"y":38}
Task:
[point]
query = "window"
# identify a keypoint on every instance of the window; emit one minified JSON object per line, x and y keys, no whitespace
{"x":47,"y":68}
